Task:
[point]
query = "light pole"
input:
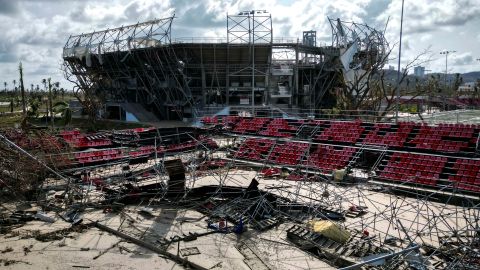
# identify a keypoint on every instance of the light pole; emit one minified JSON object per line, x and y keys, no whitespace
{"x":251,"y":39}
{"x":397,"y":100}
{"x":446,"y":53}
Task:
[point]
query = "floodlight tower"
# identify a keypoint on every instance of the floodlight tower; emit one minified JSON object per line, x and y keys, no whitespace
{"x":397,"y":100}
{"x":251,"y":26}
{"x":446,"y":53}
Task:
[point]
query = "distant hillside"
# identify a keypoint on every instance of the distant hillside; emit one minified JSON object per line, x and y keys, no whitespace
{"x":471,"y":76}
{"x":391,"y":75}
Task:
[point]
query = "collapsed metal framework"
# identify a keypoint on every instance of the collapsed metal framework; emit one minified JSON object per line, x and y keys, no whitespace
{"x":363,"y":50}
{"x":140,"y":64}
{"x":134,"y":62}
{"x":408,"y":231}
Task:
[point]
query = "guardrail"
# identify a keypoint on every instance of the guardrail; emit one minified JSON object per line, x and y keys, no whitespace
{"x":435,"y":117}
{"x":289,"y":40}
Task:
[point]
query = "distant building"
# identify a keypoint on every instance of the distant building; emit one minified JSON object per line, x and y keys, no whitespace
{"x":419,"y":71}
{"x":391,"y":67}
{"x":466,"y":87}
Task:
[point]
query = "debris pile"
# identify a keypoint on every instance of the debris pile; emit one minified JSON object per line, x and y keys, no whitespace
{"x":187,"y":197}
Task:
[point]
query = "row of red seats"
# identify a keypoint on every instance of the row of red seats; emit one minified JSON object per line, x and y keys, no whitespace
{"x":69,"y":132}
{"x":273,"y":129}
{"x":250,"y":125}
{"x":255,"y":149}
{"x":141,"y":129}
{"x":415,"y":157}
{"x":410,"y":176}
{"x":75,"y":139}
{"x":467,"y":172}
{"x":342,"y":132}
{"x":329,"y":158}
{"x":85,"y":143}
{"x":289,"y":153}
{"x":465,"y":183}
{"x":142,"y":151}
{"x":97,"y":153}
{"x":458,"y":126}
{"x":408,"y":167}
{"x":230,"y":120}
{"x":209,"y":120}
{"x":391,"y":138}
{"x":106,"y":157}
{"x":181,"y":146}
{"x":292,"y":153}
{"x":434,"y":138}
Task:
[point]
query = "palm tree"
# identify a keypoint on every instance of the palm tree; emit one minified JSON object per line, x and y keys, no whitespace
{"x":31,"y":87}
{"x":44,"y":81}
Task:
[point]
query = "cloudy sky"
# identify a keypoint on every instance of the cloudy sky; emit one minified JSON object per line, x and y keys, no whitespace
{"x":34,"y":31}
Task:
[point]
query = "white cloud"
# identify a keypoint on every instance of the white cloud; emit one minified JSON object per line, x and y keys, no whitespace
{"x":36,"y":31}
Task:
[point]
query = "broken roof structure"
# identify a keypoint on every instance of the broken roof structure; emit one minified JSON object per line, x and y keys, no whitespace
{"x":142,"y":64}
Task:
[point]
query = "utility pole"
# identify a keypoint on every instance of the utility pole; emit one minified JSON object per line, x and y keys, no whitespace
{"x":446,"y":53}
{"x":22,"y":89}
{"x":50,"y":103}
{"x":397,"y":100}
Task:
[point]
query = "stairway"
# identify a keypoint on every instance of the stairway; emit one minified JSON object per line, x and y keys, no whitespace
{"x":139,"y":111}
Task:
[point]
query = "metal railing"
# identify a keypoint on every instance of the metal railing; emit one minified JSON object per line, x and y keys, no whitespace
{"x":454,"y":117}
{"x":285,"y":40}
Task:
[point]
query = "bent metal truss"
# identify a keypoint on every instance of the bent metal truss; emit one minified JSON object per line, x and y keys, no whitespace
{"x":140,"y":67}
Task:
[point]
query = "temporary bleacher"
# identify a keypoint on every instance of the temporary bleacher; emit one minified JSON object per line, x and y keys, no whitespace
{"x":209,"y":120}
{"x":250,"y":126}
{"x":466,"y":174}
{"x":415,"y":154}
{"x":445,"y":138}
{"x":324,"y":158}
{"x":388,"y":134}
{"x":77,"y":140}
{"x":255,"y":149}
{"x":412,"y":168}
{"x":289,"y":153}
{"x":279,"y":127}
{"x":344,"y":132}
{"x":328,"y":158}
{"x":98,"y":156}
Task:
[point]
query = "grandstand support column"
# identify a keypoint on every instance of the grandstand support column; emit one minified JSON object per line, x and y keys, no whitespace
{"x":266,"y":95}
{"x":204,"y":83}
{"x":227,"y":70}
{"x":295,"y":90}
{"x":253,"y":63}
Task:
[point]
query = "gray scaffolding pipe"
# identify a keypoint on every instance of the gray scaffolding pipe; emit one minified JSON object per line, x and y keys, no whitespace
{"x":384,"y":257}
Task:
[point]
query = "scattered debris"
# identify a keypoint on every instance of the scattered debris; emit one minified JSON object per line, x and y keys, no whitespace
{"x":6,"y":262}
{"x":189,"y":251}
{"x":7,"y":249}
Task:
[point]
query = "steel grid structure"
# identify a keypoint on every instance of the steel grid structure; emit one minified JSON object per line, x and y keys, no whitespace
{"x":445,"y":235}
{"x":140,"y":64}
